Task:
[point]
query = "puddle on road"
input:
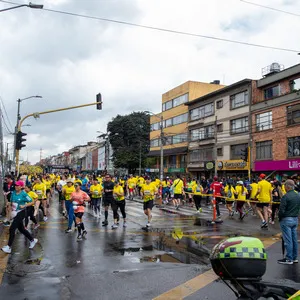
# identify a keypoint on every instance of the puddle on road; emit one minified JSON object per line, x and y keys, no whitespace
{"x":166,"y":247}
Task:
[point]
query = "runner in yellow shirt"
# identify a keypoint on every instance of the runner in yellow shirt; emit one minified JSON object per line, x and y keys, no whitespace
{"x":178,"y":189}
{"x":264,"y":196}
{"x":197,"y":190}
{"x":148,"y":192}
{"x":119,"y":202}
{"x":40,"y":189}
{"x":131,"y":183}
{"x":31,"y":209}
{"x":67,"y":191}
{"x":96,"y":190}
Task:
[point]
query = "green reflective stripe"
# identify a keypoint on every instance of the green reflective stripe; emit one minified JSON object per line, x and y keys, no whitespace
{"x":243,"y":252}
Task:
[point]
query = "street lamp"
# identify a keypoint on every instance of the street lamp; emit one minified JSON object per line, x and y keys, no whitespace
{"x":18,"y":121}
{"x":161,"y":171}
{"x":30,"y":5}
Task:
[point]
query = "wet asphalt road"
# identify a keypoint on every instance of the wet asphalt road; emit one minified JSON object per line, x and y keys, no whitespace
{"x":126,"y":263}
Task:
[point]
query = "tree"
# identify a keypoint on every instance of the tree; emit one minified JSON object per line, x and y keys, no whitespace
{"x":129,"y":138}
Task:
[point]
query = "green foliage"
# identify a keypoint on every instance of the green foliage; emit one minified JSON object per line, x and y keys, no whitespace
{"x":129,"y":137}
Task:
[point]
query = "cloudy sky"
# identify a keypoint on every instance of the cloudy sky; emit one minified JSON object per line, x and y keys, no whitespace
{"x":68,"y":60}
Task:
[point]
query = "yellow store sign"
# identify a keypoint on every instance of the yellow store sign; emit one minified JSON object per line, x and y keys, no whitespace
{"x":232,"y":165}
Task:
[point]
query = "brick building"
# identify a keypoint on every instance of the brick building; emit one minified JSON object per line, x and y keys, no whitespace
{"x":276,"y":121}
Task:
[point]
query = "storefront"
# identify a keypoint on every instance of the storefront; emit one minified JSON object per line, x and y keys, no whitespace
{"x":280,"y":167}
{"x":204,"y":168}
{"x":236,"y":168}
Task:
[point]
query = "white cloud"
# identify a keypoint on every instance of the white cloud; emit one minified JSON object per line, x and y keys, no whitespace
{"x":68,"y":60}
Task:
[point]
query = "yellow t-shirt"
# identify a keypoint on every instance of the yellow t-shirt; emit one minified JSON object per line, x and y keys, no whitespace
{"x":48,"y":184}
{"x":265,"y":188}
{"x":178,"y":186}
{"x":254,"y":188}
{"x":283,"y":189}
{"x":33,"y":196}
{"x":232,"y":193}
{"x":40,"y":190}
{"x":241,"y":192}
{"x":157,"y":182}
{"x":131,"y":183}
{"x":197,"y":189}
{"x":68,"y":191}
{"x":148,"y":191}
{"x":96,"y":191}
{"x":141,"y":181}
{"x":99,"y":179}
{"x":118,"y":193}
{"x":164,"y":184}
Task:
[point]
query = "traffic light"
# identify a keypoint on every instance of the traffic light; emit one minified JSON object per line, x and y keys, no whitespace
{"x":99,"y":101}
{"x":20,"y":140}
{"x":245,"y":154}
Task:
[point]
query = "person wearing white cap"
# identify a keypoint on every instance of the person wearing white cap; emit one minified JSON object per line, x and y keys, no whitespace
{"x":19,"y":201}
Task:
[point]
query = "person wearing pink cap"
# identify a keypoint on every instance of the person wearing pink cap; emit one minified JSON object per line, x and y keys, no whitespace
{"x":19,"y":201}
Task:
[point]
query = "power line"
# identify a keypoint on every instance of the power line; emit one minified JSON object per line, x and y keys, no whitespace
{"x":163,"y":29}
{"x":271,"y":8}
{"x":5,"y":112}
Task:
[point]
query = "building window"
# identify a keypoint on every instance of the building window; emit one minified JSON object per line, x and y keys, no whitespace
{"x":219,"y":104}
{"x":155,"y":143}
{"x":220,"y":151}
{"x":180,"y":100}
{"x":202,"y":111}
{"x":155,"y":126}
{"x":168,"y":123}
{"x":272,"y":92}
{"x":264,"y":121}
{"x":239,"y":100}
{"x":264,"y":150}
{"x":239,"y":125}
{"x":220,"y":128}
{"x":202,"y":133}
{"x":175,"y":102}
{"x":294,"y":146}
{"x":180,"y":119}
{"x":201,"y":155}
{"x":179,"y":138}
{"x":172,"y":161}
{"x":236,"y":151}
{"x":295,"y":85}
{"x":293,"y":114}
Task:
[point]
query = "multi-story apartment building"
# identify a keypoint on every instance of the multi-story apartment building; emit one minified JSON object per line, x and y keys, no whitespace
{"x":276,"y":120}
{"x":175,"y":117}
{"x":219,"y":131}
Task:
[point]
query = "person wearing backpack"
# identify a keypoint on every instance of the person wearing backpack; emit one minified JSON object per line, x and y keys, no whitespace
{"x":229,"y":193}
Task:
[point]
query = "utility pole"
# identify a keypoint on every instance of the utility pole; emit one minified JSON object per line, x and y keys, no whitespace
{"x":41,"y":153}
{"x":16,"y":129}
{"x":1,"y":162}
{"x":215,"y":148}
{"x":161,"y":149}
{"x":6,"y":158}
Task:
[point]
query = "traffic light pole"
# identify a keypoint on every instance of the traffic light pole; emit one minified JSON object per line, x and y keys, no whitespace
{"x":37,"y":115}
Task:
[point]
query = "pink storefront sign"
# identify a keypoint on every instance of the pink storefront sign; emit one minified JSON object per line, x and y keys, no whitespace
{"x":279,"y":165}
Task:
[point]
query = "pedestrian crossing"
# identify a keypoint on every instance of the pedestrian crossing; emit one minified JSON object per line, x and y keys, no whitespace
{"x":134,"y":209}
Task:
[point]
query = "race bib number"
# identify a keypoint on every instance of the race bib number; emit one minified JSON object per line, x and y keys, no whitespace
{"x":147,"y":193}
{"x":39,"y":192}
{"x":96,"y":192}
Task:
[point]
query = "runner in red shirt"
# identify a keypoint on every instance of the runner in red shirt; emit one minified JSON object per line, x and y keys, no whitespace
{"x":216,"y":187}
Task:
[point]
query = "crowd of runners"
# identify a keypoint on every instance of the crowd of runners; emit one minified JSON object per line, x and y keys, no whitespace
{"x":28,"y":198}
